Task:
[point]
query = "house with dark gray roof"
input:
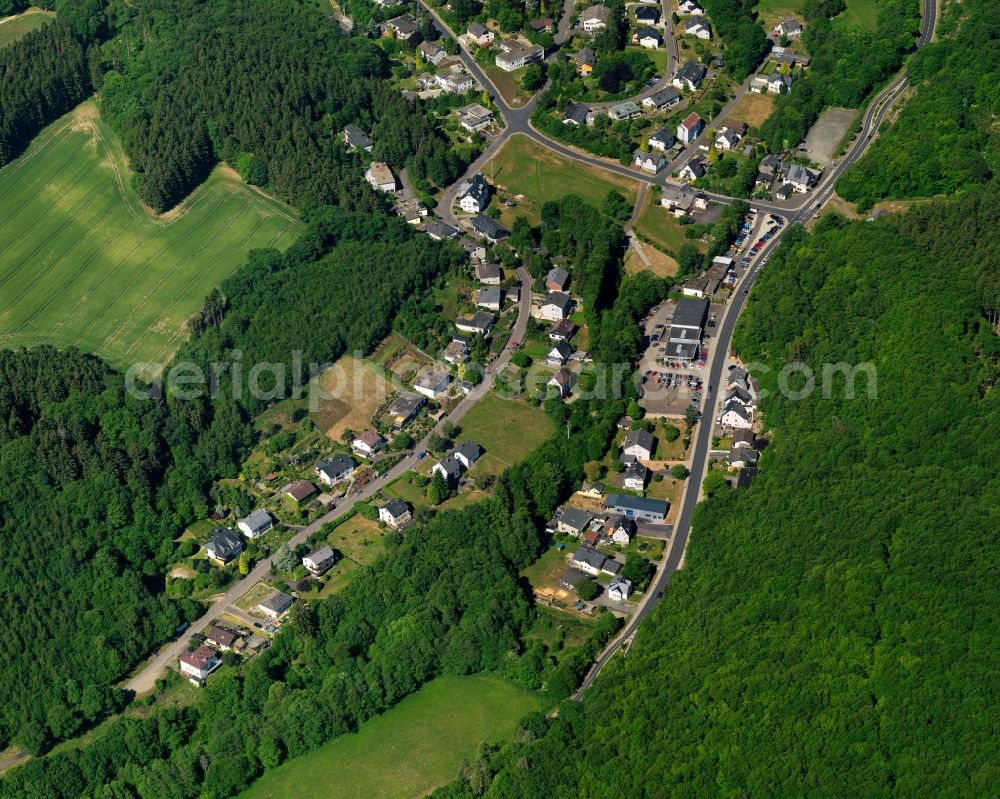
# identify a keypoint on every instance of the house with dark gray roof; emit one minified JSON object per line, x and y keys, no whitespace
{"x":489,"y":228}
{"x":653,"y":510}
{"x":474,"y":195}
{"x":395,"y":513}
{"x":557,"y":279}
{"x":450,"y":468}
{"x":275,"y":605}
{"x":576,"y":114}
{"x":331,"y":470}
{"x":319,"y":560}
{"x":223,"y":545}
{"x":662,"y":99}
{"x":573,"y":521}
{"x":467,"y":453}
{"x":357,"y":139}
{"x":256,"y":524}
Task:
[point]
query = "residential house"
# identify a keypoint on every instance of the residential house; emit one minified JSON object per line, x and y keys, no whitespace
{"x":740,"y":395}
{"x":690,"y":128}
{"x":299,"y":491}
{"x":479,"y":33}
{"x":744,"y":438}
{"x":593,"y":490}
{"x":474,"y":117}
{"x":784,"y":191}
{"x":404,"y":408}
{"x":559,"y":354}
{"x":490,"y":298}
{"x":557,"y":306}
{"x":736,"y":416}
{"x":697,"y":26}
{"x":223,"y":545}
{"x":576,"y":114}
{"x":788,"y":58}
{"x":432,"y":381}
{"x":563,"y":381}
{"x":779,"y":83}
{"x":275,"y":605}
{"x":585,"y":61}
{"x":395,"y":513}
{"x":739,"y":457}
{"x":474,"y":195}
{"x":726,"y":140}
{"x":662,"y":140}
{"x":768,"y":167}
{"x":557,"y":279}
{"x":594,"y":18}
{"x":571,"y":579}
{"x":662,"y":99}
{"x":759,"y":84}
{"x":649,"y":162}
{"x":450,"y":468}
{"x":357,"y":139}
{"x":542,"y":25}
{"x":627,"y":110}
{"x":402,"y":27}
{"x":410,"y":209}
{"x":480,"y":322}
{"x":256,"y":524}
{"x":621,"y":530}
{"x":645,"y":15}
{"x":438,"y":230}
{"x":800,"y":178}
{"x":573,"y":521}
{"x":690,"y":76}
{"x":647,"y":37}
{"x":221,"y":638}
{"x":635,"y":477}
{"x":590,"y":561}
{"x":490,"y":274}
{"x":456,"y":351}
{"x":562,"y":330}
{"x":688,"y":7}
{"x":489,"y":229}
{"x":652,"y":510}
{"x":619,"y":589}
{"x":367,"y":444}
{"x":455,"y":81}
{"x":380,"y":177}
{"x":333,"y":470}
{"x":199,"y":664}
{"x":692,"y":170}
{"x":515,"y":54}
{"x":467,"y":453}
{"x":640,"y":444}
{"x":432,"y":53}
{"x":319,"y":560}
{"x":790,"y":28}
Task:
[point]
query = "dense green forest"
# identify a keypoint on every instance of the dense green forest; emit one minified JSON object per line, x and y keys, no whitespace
{"x":44,"y":75}
{"x":832,"y":632}
{"x":847,"y":63}
{"x":945,"y":138}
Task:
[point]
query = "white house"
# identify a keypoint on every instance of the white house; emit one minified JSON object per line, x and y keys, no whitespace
{"x":790,"y":27}
{"x":256,"y":524}
{"x":467,"y":453}
{"x":380,"y":177}
{"x":697,"y":26}
{"x":474,"y":195}
{"x":319,"y":561}
{"x":557,"y":306}
{"x":395,"y":513}
{"x":690,"y":128}
{"x":662,"y":99}
{"x":474,"y":117}
{"x":595,"y":18}
{"x":688,"y":7}
{"x":559,"y":354}
{"x":335,"y":469}
{"x":649,"y":162}
{"x":635,"y":477}
{"x":515,"y":54}
{"x":648,"y":38}
{"x":692,"y":170}
{"x":690,"y":76}
{"x":662,"y":140}
{"x":640,"y":444}
{"x":622,"y":531}
{"x":619,"y":589}
{"x":454,"y":81}
{"x":736,"y":416}
{"x":490,"y":298}
{"x":800,"y":178}
{"x":275,"y":605}
{"x":777,"y":83}
{"x":479,"y":33}
{"x":726,"y":140}
{"x":432,"y":52}
{"x":368,"y":443}
{"x":199,"y":664}
{"x":432,"y":381}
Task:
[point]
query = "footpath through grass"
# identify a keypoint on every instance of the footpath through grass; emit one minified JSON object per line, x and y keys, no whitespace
{"x":409,"y":750}
{"x":83,"y":264}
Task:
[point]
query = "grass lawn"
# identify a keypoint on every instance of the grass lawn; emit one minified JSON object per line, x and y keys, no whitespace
{"x":360,"y":541}
{"x":545,"y":571}
{"x":771,"y":11}
{"x":508,"y":84}
{"x":250,"y":599}
{"x":351,"y":391}
{"x":522,"y":167}
{"x":507,"y":429}
{"x":752,"y":108}
{"x":662,"y":229}
{"x":658,"y":263}
{"x":859,"y":13}
{"x":409,"y":750}
{"x":13,"y":28}
{"x":83,"y":264}
{"x":550,"y":626}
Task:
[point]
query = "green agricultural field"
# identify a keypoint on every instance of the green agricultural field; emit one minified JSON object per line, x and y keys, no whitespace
{"x":409,"y":750}
{"x":13,"y":28}
{"x":525,"y":167}
{"x":83,"y":264}
{"x":507,"y":429}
